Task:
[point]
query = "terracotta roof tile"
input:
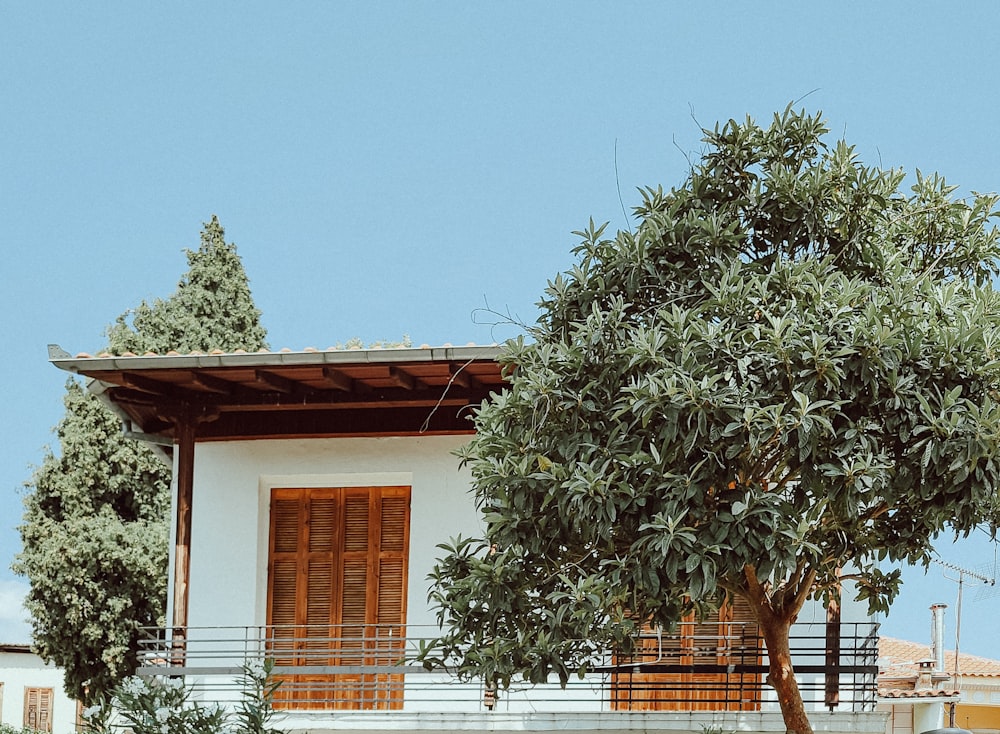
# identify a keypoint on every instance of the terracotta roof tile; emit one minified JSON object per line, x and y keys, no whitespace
{"x":898,"y":659}
{"x":910,"y":693}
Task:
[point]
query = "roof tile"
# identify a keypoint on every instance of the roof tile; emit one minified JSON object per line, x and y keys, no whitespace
{"x":911,"y":693}
{"x":898,"y":658}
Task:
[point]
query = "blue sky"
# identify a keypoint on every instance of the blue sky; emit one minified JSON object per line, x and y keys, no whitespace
{"x":390,"y":168}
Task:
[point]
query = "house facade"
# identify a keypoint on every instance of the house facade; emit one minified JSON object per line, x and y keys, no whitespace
{"x":311,"y":490}
{"x":919,"y":691}
{"x":31,"y":693}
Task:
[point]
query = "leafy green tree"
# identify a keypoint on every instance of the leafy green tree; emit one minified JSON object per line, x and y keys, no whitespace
{"x":95,"y":530}
{"x":94,"y":539}
{"x":786,"y":375}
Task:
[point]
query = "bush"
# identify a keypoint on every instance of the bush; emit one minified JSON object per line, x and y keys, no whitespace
{"x":163,"y":705}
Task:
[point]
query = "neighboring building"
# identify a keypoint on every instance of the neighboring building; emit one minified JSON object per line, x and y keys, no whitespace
{"x":31,"y":693}
{"x":310,"y":492}
{"x":918,"y":691}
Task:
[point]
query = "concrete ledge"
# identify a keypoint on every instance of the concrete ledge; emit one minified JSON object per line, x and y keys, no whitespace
{"x":750,"y":722}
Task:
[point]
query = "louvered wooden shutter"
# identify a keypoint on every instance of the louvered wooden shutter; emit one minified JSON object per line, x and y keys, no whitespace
{"x":393,"y":543}
{"x":38,"y":708}
{"x":316,"y":609}
{"x":287,"y":522}
{"x":337,"y":584}
{"x":732,"y":638}
{"x":356,"y":589}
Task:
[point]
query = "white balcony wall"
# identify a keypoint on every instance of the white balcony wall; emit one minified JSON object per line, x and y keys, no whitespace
{"x":232,"y":483}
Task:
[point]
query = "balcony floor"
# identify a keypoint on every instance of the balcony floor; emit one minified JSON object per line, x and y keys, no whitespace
{"x":499,"y":722}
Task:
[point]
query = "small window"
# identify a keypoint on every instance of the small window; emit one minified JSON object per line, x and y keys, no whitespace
{"x":38,"y":708}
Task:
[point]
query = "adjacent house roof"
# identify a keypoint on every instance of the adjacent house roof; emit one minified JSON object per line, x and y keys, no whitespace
{"x":15,"y":647}
{"x":899,"y":673}
{"x":898,"y":659}
{"x":334,"y":392}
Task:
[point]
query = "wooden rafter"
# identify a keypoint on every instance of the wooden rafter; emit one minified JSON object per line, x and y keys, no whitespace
{"x":147,"y":385}
{"x":213,"y":384}
{"x":276,"y":382}
{"x":402,"y":378}
{"x":338,"y":380}
{"x":374,"y":393}
{"x":463,"y":378}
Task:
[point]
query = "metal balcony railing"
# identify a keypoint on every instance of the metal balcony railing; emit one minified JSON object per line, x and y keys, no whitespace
{"x":372,"y":667}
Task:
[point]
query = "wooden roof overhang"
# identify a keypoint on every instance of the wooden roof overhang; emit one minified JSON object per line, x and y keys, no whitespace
{"x":240,"y":396}
{"x":177,"y":400}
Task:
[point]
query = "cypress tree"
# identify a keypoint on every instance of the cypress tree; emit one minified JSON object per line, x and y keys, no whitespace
{"x":95,"y":524}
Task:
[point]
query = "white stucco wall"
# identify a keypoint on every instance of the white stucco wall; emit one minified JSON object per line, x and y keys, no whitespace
{"x":232,"y":483}
{"x":20,"y":670}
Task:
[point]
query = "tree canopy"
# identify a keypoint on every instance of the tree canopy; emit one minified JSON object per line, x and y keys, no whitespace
{"x":785,"y":376}
{"x":212,"y":307}
{"x":95,"y":531}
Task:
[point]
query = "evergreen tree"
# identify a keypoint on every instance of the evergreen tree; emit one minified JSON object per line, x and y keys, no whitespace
{"x":94,"y":542}
{"x":95,"y":524}
{"x":211,"y":309}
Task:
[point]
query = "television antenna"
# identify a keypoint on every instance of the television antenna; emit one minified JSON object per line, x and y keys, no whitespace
{"x":963,"y":573}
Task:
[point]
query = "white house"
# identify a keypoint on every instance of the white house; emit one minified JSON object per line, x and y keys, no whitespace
{"x":919,"y":684}
{"x":31,"y":692}
{"x":310,"y":492}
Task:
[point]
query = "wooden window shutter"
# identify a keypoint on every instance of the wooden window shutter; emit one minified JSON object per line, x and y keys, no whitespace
{"x":286,"y":527}
{"x":38,"y":708}
{"x":393,"y":544}
{"x":730,"y":639}
{"x":337,"y":587}
{"x":316,"y":601}
{"x":355,"y":588}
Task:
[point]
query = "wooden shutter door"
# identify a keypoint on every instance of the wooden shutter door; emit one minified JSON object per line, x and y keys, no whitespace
{"x":337,"y":592}
{"x":731,"y":638}
{"x":287,"y":525}
{"x":390,"y":609}
{"x":635,"y":690}
{"x":317,"y":585}
{"x":353,"y":688}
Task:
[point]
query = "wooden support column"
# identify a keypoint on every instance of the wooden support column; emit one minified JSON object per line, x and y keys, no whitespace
{"x":831,"y":697}
{"x":182,"y":540}
{"x":186,"y":421}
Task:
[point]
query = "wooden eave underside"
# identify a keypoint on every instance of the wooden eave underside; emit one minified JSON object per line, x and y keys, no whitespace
{"x":284,"y":400}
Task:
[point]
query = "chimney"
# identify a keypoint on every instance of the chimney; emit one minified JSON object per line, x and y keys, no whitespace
{"x":925,"y":676}
{"x":937,"y":636}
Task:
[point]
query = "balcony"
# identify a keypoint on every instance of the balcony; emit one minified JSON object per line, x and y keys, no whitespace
{"x":367,"y":674}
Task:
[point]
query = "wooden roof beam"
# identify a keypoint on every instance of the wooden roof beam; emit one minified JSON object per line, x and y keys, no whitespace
{"x":463,"y":378}
{"x":212,"y":384}
{"x":147,"y":385}
{"x":402,"y":378}
{"x":338,"y":380}
{"x":277,"y":383}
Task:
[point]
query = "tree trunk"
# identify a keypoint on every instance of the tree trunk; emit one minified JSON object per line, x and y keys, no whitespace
{"x":781,"y":675}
